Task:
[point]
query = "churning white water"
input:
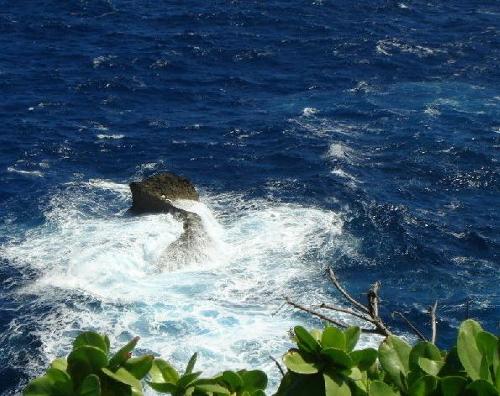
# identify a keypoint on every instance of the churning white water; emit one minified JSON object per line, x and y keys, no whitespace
{"x":100,"y":268}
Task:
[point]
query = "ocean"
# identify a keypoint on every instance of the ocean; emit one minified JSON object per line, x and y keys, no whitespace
{"x":361,"y":136}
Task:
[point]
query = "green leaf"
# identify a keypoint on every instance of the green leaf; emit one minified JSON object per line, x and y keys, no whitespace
{"x":426,"y":350}
{"x":352,"y":335}
{"x":394,"y":356}
{"x":163,"y":387}
{"x":364,"y":358}
{"x":91,"y":386}
{"x":253,"y":380}
{"x":301,"y":385}
{"x":452,"y":385}
{"x":191,"y":363}
{"x":497,"y":379}
{"x":481,"y":388}
{"x":338,"y":357}
{"x":92,"y":339}
{"x":62,"y":382}
{"x":489,"y":346}
{"x":108,"y":344}
{"x":429,"y":366}
{"x":306,"y":341}
{"x":317,"y":334}
{"x":122,"y":355}
{"x":353,"y":373}
{"x":452,"y":365}
{"x":468,"y":352}
{"x":54,"y":383}
{"x":424,"y":386}
{"x":484,"y":370}
{"x":123,"y":376}
{"x":335,"y":385}
{"x":60,"y":364}
{"x":379,"y":388}
{"x":139,"y":366}
{"x":84,"y":361}
{"x":187,"y":380}
{"x":162,"y":371}
{"x":333,"y":338}
{"x":212,"y":388}
{"x":41,"y":386}
{"x":295,"y":362}
{"x":233,"y":380}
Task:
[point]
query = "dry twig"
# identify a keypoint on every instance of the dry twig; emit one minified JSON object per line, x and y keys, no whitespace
{"x":368,"y":313}
{"x":357,"y":304}
{"x":278,"y":365}
{"x":411,"y":326}
{"x":347,"y":311}
{"x":314,"y":313}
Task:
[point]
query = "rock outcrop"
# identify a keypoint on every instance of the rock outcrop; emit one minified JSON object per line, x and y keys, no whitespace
{"x":157,"y":194}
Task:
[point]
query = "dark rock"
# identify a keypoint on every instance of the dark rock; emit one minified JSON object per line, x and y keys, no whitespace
{"x":153,"y":195}
{"x":157,"y":194}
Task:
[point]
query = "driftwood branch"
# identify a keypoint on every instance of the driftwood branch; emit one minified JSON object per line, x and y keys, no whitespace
{"x":433,"y":322}
{"x":411,"y":326}
{"x":348,"y":297}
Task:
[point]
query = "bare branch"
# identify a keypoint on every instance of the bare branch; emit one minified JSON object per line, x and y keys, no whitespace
{"x":279,"y":309}
{"x":432,"y":311}
{"x":348,"y":311}
{"x":333,"y":321}
{"x":353,"y":301}
{"x":373,"y":300}
{"x":278,"y":365}
{"x":411,"y":326}
{"x":314,"y":313}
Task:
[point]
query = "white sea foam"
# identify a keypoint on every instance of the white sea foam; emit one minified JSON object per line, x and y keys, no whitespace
{"x":103,"y":59}
{"x":97,"y":269}
{"x":337,"y":150}
{"x":309,"y":111}
{"x":113,"y":136}
{"x":25,"y":172}
{"x":388,"y":46}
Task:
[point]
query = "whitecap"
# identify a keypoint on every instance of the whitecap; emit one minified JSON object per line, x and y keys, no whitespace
{"x":388,"y":46}
{"x":99,"y":60}
{"x":309,"y":111}
{"x":337,"y":150}
{"x":35,"y":173}
{"x":97,"y":269}
{"x":114,"y":136}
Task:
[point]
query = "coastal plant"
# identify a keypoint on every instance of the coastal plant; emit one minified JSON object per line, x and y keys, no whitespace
{"x":166,"y":379}
{"x":326,"y":363}
{"x":323,"y":362}
{"x":91,"y":370}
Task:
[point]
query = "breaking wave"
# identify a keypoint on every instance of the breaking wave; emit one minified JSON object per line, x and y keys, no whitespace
{"x":97,"y":268}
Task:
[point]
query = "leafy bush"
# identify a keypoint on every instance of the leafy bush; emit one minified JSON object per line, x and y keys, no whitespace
{"x":325,"y":363}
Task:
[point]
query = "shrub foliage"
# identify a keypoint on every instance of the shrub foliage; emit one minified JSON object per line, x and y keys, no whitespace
{"x":323,"y":363}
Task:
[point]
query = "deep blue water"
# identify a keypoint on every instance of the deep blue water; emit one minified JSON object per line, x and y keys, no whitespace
{"x":362,"y":135}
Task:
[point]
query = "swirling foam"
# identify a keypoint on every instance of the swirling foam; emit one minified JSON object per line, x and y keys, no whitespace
{"x":97,"y":269}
